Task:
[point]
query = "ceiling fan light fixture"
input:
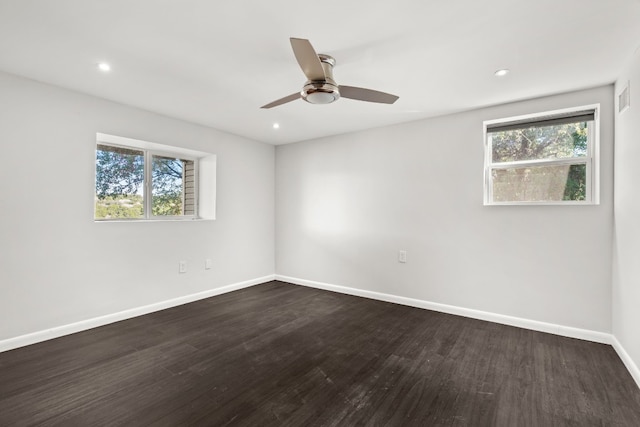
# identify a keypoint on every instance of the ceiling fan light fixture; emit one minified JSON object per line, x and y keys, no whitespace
{"x":320,"y":93}
{"x":320,"y":98}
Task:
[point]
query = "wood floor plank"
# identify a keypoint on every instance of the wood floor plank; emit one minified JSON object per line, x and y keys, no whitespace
{"x":278,"y":354}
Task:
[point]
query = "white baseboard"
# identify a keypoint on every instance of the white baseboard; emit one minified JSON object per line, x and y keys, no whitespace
{"x":584,"y":334}
{"x":627,"y":360}
{"x":566,"y":331}
{"x":83,"y":325}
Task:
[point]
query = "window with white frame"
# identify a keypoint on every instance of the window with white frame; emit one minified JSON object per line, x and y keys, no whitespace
{"x":545,"y":158}
{"x":143,"y":180}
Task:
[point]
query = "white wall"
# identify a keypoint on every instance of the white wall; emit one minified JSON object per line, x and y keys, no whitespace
{"x":626,"y":243}
{"x":57,"y":266}
{"x":345,"y":205}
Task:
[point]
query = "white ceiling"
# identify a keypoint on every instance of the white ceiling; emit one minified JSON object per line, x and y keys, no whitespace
{"x":215,"y":63}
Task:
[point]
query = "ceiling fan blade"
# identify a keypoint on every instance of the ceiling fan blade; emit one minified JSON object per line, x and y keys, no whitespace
{"x":369,"y":95}
{"x":308,"y":59}
{"x":284,"y":100}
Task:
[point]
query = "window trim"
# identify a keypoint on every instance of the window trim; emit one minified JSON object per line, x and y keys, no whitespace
{"x":208,"y":162}
{"x":591,"y":160}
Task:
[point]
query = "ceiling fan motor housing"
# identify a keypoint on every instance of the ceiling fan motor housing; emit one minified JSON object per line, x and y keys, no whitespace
{"x":323,"y":91}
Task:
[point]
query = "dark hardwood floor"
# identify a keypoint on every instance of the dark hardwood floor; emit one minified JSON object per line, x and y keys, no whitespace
{"x":280,"y":354}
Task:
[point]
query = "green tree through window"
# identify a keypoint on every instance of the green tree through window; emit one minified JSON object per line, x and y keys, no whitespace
{"x":167,"y":190}
{"x":120,"y":184}
{"x":534,"y":143}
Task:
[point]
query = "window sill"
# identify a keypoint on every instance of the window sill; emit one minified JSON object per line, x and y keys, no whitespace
{"x":128,"y":221}
{"x":568,"y":203}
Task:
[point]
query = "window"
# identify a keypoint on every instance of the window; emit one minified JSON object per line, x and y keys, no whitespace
{"x":547,"y":158}
{"x":143,"y":180}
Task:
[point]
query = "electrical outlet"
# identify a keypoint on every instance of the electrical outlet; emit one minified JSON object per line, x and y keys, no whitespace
{"x":182,"y":267}
{"x":402,"y":256}
{"x":208,"y":264}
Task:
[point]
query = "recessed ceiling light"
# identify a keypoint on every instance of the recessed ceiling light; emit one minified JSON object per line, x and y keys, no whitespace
{"x":103,"y":66}
{"x":502,"y":72}
{"x":276,"y":126}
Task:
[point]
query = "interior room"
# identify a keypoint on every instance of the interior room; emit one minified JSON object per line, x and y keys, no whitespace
{"x":363,"y":262}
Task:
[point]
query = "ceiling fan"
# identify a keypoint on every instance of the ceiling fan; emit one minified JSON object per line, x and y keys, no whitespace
{"x":320,"y":87}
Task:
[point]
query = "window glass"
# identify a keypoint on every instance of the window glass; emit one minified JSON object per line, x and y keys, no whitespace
{"x":543,"y":158}
{"x":119,"y":183}
{"x":172,"y":186}
{"x":540,"y":183}
{"x":534,"y":143}
{"x":122,"y":174}
{"x":166,"y":186}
